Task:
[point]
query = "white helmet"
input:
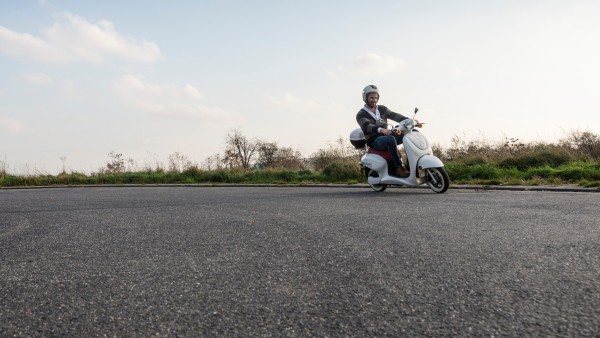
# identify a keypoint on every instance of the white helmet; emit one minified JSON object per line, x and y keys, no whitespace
{"x":368,"y":90}
{"x":357,"y":138}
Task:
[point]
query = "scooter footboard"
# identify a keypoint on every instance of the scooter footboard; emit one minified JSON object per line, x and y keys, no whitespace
{"x":429,"y":161}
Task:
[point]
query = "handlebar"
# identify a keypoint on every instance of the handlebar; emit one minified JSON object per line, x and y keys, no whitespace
{"x":396,"y":129}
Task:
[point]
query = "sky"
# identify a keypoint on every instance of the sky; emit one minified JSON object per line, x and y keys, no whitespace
{"x":146,"y":79}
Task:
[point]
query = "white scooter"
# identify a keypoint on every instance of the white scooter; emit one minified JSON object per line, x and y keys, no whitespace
{"x":424,"y":167}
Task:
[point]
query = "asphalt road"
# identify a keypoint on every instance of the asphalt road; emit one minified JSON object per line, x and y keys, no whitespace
{"x":304,"y":261}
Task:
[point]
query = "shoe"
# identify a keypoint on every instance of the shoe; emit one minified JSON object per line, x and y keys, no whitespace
{"x":402,"y":172}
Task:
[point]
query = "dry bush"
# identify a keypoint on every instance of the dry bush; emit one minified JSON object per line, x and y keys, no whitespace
{"x":584,"y":145}
{"x":179,"y":163}
{"x":461,"y":149}
{"x":270,"y":155}
{"x":481,"y":150}
{"x":511,"y":152}
{"x":116,"y":164}
{"x":3,"y":168}
{"x":339,"y":151}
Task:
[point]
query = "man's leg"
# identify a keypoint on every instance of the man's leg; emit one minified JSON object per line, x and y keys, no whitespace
{"x":388,"y":143}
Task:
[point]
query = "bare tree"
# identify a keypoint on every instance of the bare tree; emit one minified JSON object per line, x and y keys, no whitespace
{"x":267,"y":152}
{"x":240,"y":150}
{"x":213,"y":162}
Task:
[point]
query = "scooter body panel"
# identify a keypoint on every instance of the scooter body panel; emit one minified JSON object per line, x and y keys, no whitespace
{"x":379,"y":164}
{"x":429,"y":161}
{"x":375,"y":162}
{"x":417,"y":141}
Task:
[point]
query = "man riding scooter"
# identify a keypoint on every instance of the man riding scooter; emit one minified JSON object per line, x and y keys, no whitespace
{"x":372,"y":119}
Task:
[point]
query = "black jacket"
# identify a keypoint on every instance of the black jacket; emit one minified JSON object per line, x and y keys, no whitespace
{"x":369,"y":126}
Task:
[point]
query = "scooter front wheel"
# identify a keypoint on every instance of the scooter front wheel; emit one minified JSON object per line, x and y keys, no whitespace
{"x":376,"y":187}
{"x":437,"y":179}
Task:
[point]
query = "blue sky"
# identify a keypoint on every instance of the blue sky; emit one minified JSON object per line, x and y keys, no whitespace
{"x":149,"y":78}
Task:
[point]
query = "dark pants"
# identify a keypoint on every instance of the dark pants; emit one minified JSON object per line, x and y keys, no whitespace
{"x":389,"y":143}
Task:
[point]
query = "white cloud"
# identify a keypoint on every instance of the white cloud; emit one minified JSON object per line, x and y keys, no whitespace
{"x":294,"y":104}
{"x":370,"y":64}
{"x":73,"y":90}
{"x":457,"y":72}
{"x":75,"y":39}
{"x":169,"y":100}
{"x":12,"y":126}
{"x":36,"y":79}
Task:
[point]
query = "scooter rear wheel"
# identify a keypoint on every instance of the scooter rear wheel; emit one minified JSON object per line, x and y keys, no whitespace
{"x":437,"y":179}
{"x":376,"y":187}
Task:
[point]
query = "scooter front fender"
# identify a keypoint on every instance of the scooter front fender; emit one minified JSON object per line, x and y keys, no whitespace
{"x":429,"y":161}
{"x":374,"y":180}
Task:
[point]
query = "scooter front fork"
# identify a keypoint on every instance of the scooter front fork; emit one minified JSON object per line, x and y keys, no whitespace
{"x":431,"y":177}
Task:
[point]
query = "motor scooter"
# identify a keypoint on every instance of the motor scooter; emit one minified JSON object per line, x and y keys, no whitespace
{"x":424,"y":167}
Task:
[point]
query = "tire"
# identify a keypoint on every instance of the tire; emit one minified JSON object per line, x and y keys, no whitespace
{"x":376,"y":187}
{"x":441,"y":177}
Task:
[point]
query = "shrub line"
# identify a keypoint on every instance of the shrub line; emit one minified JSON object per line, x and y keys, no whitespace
{"x":316,"y":185}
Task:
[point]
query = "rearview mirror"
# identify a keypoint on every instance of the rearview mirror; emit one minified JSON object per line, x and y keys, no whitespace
{"x":416,"y":110}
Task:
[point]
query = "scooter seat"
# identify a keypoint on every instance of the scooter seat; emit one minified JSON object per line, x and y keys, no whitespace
{"x":383,"y":153}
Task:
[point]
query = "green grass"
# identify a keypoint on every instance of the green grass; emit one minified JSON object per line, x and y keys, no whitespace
{"x":583,"y":173}
{"x":574,"y":160}
{"x":259,"y":176}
